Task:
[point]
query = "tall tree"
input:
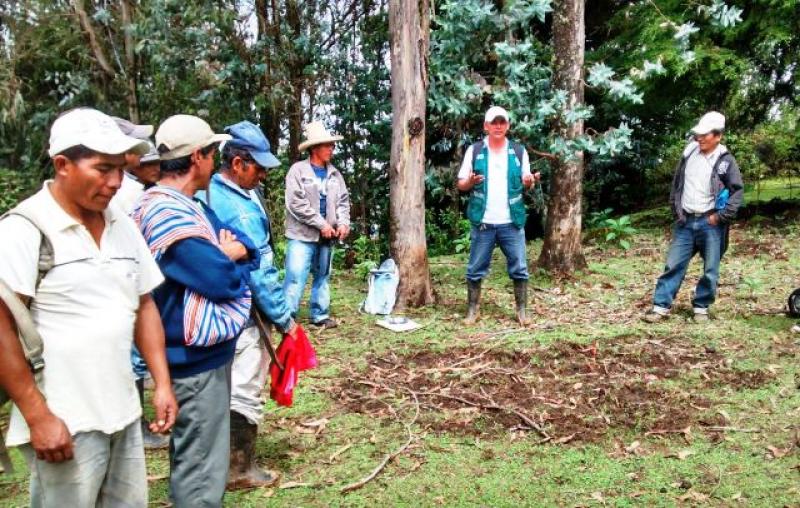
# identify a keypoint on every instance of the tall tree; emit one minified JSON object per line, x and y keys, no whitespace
{"x":409,"y":32}
{"x":561,"y":251}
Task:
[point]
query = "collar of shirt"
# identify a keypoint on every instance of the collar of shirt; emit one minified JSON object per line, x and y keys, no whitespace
{"x":59,"y":218}
{"x":219,"y":178}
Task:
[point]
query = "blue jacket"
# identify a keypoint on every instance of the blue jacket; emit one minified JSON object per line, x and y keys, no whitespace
{"x":241,"y":209}
{"x":197,"y":264}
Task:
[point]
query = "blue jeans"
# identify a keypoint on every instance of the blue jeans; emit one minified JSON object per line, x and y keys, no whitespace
{"x":302,"y":258}
{"x":695,"y":235}
{"x":482,"y":241}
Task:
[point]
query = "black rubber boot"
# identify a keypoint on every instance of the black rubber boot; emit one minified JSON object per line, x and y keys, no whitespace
{"x":243,"y":472}
{"x":521,"y":299}
{"x":473,"y":301}
{"x":151,"y":441}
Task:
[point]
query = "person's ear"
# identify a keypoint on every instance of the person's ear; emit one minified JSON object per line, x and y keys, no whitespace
{"x":61,"y":164}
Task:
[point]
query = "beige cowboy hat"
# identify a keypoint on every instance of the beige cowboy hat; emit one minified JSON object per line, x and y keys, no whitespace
{"x":317,"y":134}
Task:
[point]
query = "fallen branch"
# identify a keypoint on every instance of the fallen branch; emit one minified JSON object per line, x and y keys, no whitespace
{"x":390,"y":457}
{"x":730,"y":429}
{"x":495,"y":407}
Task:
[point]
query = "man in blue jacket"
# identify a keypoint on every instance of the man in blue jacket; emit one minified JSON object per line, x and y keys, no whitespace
{"x":204,"y":305}
{"x":707,"y":191}
{"x":234,"y":196}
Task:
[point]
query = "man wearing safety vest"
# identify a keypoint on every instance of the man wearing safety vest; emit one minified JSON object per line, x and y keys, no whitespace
{"x":495,"y":172}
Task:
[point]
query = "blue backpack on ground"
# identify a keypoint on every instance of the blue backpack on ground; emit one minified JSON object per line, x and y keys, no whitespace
{"x":382,"y":289}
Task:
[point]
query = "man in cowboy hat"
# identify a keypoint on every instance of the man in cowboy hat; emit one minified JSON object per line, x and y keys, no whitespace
{"x":707,"y":192}
{"x":317,"y":214}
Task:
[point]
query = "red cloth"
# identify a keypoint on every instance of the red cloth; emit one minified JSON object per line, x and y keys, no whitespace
{"x":296,"y":354}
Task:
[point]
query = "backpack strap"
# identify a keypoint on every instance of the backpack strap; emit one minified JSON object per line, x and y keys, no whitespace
{"x":30,"y":340}
{"x":477,"y":148}
{"x":519,"y":151}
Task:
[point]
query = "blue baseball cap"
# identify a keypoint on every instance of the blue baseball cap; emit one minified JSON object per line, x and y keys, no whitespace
{"x":247,"y":136}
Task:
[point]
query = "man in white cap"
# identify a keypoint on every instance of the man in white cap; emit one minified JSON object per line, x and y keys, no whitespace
{"x":79,"y":428}
{"x":706,"y":193}
{"x":204,"y":304}
{"x":317,"y":214}
{"x":496,"y":172}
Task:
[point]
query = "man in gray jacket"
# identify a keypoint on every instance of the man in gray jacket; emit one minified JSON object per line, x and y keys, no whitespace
{"x":707,"y":192}
{"x":317,"y":214}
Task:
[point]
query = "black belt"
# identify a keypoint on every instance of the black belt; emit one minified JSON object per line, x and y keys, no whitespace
{"x":698,"y":215}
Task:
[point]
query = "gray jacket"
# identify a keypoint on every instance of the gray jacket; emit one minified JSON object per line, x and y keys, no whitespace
{"x":303,"y":220}
{"x":725,"y":175}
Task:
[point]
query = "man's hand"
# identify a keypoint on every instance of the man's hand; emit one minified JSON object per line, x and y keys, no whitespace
{"x":342,"y":232}
{"x":232,"y":247}
{"x":466,"y":184}
{"x":50,"y":438}
{"x":166,"y":408}
{"x":713,"y":219}
{"x":529,"y":180}
{"x":327,"y":231}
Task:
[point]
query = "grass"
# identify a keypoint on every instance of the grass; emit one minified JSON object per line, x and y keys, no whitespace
{"x":491,"y":465}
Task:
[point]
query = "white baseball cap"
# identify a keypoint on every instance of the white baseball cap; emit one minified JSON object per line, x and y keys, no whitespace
{"x":180,"y":135}
{"x":712,"y":121}
{"x":494,"y":112}
{"x":94,"y":130}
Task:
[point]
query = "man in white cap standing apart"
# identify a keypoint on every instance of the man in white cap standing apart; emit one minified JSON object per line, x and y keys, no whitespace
{"x":317,"y":214}
{"x":707,"y":191}
{"x":495,"y":172}
{"x":79,"y":428}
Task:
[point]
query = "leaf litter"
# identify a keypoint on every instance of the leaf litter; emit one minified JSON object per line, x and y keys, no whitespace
{"x":565,"y":392}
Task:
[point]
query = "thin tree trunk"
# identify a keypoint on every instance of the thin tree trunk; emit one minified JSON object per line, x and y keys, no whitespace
{"x":130,"y":61}
{"x":296,"y":80}
{"x":409,"y":37}
{"x":561,"y":251}
{"x":269,"y":116}
{"x":97,"y":49}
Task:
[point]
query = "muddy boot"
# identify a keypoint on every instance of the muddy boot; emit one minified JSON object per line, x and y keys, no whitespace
{"x":473,"y":301}
{"x":243,"y":473}
{"x":151,"y":440}
{"x":521,"y":299}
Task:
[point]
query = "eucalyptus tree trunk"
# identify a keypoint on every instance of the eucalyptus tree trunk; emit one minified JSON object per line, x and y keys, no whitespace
{"x":561,"y":251}
{"x":409,"y":22}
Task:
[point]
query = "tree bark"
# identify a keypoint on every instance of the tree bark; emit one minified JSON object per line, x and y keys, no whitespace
{"x":269,"y":115}
{"x":130,"y":61}
{"x":97,"y":49}
{"x":409,"y":22}
{"x":561,"y":251}
{"x":296,"y":80}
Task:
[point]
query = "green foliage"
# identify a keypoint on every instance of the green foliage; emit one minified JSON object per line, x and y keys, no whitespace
{"x":610,"y":231}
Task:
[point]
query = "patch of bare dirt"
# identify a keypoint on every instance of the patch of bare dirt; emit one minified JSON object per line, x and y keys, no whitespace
{"x":565,"y":392}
